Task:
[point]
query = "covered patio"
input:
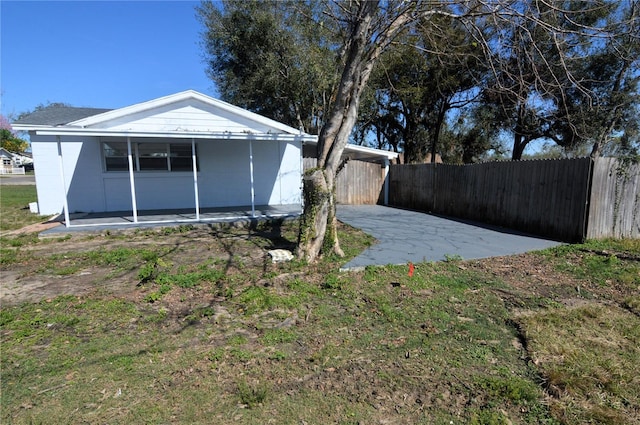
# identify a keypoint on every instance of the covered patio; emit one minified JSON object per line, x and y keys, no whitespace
{"x":87,"y":222}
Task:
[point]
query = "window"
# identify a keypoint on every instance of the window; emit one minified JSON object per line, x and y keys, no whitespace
{"x":152,"y":156}
{"x":180,"y":157}
{"x":115,"y":156}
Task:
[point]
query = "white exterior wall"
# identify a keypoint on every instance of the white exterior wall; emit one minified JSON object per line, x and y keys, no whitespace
{"x":291,"y":173}
{"x":82,"y":167}
{"x":223,"y":178}
{"x":186,"y":115}
{"x":47,"y":173}
{"x":154,"y":190}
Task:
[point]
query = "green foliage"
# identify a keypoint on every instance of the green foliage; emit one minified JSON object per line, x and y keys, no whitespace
{"x":278,"y":336}
{"x":12,"y":143}
{"x":446,"y":344}
{"x":158,"y":271}
{"x":598,"y":261}
{"x":271,"y":58}
{"x":257,"y":298}
{"x":252,"y":395}
{"x":514,"y":389}
{"x":413,"y":89}
{"x":332,"y":282}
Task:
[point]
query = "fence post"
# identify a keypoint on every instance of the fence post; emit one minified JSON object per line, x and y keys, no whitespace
{"x":386,"y":181}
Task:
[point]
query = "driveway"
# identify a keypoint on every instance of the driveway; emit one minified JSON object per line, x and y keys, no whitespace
{"x":408,"y":236}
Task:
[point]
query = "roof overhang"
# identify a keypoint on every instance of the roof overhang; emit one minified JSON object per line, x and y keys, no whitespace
{"x":363,"y":153}
{"x":96,"y":120}
{"x":87,"y":132}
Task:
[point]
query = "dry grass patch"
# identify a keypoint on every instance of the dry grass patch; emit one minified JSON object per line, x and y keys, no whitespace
{"x":589,"y":356}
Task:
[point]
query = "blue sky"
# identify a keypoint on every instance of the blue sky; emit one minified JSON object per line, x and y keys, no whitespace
{"x":102,"y":54}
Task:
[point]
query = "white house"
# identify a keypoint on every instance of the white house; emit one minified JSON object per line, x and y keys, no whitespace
{"x":8,"y":159}
{"x":13,"y":163}
{"x":183,"y":151}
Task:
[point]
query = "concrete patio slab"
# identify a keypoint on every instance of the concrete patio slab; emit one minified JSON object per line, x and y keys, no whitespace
{"x":97,"y":222}
{"x":409,"y":236}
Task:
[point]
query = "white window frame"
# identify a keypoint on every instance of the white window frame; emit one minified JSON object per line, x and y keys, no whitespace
{"x":136,"y":157}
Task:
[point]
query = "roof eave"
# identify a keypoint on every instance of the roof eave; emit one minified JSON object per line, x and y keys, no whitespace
{"x":177,"y":97}
{"x":367,"y":152}
{"x":29,"y":127}
{"x":66,"y":131}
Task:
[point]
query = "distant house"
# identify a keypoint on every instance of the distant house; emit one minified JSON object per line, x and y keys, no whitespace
{"x":13,"y":163}
{"x":8,"y":160}
{"x":183,"y":151}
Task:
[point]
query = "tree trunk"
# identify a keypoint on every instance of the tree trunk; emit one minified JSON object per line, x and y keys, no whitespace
{"x":610,"y":121}
{"x":442,"y":111}
{"x":519,"y":143}
{"x":519,"y":140}
{"x":318,"y":227}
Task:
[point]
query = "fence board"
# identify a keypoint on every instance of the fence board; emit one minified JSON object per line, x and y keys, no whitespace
{"x":358,"y":182}
{"x":561,"y":199}
{"x":615,"y":200}
{"x":540,"y":197}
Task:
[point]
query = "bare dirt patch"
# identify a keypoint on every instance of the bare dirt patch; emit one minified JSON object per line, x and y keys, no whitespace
{"x":54,"y":267}
{"x":534,"y":280}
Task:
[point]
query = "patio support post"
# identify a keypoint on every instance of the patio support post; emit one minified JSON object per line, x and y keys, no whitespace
{"x":253,"y":194}
{"x":386,"y":181}
{"x":132,"y":182}
{"x":195,"y":177}
{"x":67,"y":219}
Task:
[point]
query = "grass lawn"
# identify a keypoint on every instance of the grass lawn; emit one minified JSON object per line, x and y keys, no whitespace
{"x":196,"y":325}
{"x":14,"y":205}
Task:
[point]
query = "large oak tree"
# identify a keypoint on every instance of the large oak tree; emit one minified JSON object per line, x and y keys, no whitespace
{"x":542,"y":33}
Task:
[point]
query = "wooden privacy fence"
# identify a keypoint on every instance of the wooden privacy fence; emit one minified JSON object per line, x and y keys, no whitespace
{"x":567,"y":199}
{"x":614,"y":210}
{"x":357,"y":183}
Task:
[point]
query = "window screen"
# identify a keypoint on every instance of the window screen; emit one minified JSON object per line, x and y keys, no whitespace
{"x":181,"y":157}
{"x":115,"y":156}
{"x":151,"y":156}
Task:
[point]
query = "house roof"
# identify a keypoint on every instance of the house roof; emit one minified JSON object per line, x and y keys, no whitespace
{"x":175,"y":99}
{"x":55,"y":115}
{"x":187,"y":114}
{"x":5,"y":153}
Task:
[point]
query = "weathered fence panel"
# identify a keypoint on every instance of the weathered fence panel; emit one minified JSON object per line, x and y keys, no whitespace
{"x":615,"y":200}
{"x":411,"y":186}
{"x":358,"y":182}
{"x":547,"y":198}
{"x":567,"y":199}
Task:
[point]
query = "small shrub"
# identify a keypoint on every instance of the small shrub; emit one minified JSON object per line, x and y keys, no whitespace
{"x":516,"y":390}
{"x":332,"y":282}
{"x":253,"y":395}
{"x":277,"y":356}
{"x":8,"y":256}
